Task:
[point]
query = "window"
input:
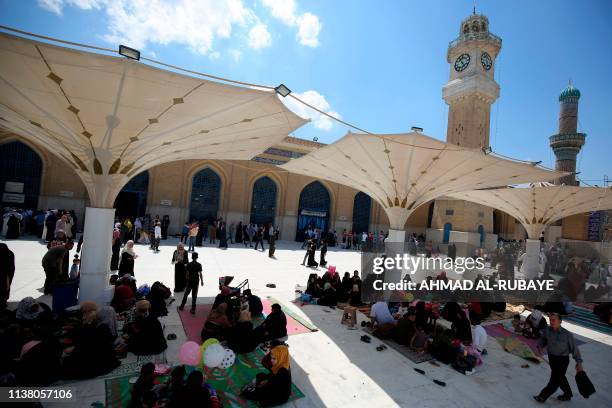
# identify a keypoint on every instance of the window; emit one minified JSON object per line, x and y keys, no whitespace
{"x":20,"y":164}
{"x":450,"y":211}
{"x":205,"y":194}
{"x":361,"y":212}
{"x":263,"y":203}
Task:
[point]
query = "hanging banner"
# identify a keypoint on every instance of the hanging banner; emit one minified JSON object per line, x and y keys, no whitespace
{"x":13,"y":187}
{"x":314,"y":213}
{"x":594,"y":228}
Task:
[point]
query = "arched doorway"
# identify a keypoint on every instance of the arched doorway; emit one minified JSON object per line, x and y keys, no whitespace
{"x":20,"y":174}
{"x":447,"y":230}
{"x":481,"y":231}
{"x":132,"y":199}
{"x":263,"y":202}
{"x":430,"y":212}
{"x":313,"y":209}
{"x":205,"y":195}
{"x":362,"y":204}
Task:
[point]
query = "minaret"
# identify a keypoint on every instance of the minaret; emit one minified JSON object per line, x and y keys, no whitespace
{"x":567,"y":143}
{"x":471,"y":88}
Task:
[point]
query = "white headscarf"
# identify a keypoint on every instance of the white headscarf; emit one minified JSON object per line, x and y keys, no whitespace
{"x":129,"y":248}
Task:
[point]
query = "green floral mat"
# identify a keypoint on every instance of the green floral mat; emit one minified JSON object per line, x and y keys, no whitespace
{"x":227,"y":383}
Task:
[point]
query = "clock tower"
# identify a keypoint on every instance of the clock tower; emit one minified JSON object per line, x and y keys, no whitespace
{"x":472,"y":88}
{"x":469,"y":94}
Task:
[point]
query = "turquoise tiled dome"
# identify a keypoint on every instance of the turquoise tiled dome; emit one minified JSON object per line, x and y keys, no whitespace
{"x":569,"y":92}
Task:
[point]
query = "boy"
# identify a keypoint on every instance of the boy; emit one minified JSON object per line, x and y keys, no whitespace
{"x":194,"y":271}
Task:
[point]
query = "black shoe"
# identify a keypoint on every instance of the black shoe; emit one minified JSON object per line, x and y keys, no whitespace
{"x":181,"y":307}
{"x":539,"y":399}
{"x":564,"y":397}
{"x":192,"y":311}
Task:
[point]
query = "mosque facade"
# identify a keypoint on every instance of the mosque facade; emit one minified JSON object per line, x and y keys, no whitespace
{"x":258,"y":191}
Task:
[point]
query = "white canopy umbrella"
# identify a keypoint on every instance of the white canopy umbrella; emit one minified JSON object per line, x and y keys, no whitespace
{"x":110,"y":117}
{"x":403,"y":171}
{"x":538,"y":206}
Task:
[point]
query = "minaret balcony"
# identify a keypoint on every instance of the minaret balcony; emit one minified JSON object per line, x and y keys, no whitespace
{"x":567,"y":140}
{"x":471,"y":36}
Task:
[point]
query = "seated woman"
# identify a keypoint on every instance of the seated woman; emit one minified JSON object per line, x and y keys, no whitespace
{"x":143,"y":386}
{"x":274,"y":388}
{"x":405,"y":329}
{"x":94,"y":352}
{"x":217,"y":325}
{"x":345,"y":288}
{"x":255,"y":305}
{"x":274,"y":327}
{"x":39,"y":363}
{"x":241,"y":338}
{"x":30,"y":312}
{"x":123,"y":298}
{"x":195,"y":393}
{"x":329,"y":297}
{"x":312,"y":288}
{"x":144,"y":334}
{"x":462,"y":330}
{"x":355,"y":296}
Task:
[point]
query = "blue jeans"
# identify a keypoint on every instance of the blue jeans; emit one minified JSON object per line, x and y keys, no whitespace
{"x":191,"y":244}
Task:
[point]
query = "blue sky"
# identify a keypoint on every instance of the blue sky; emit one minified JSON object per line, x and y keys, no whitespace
{"x":378,"y":64}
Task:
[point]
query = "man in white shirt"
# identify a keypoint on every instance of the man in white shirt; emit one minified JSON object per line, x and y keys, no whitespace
{"x":157,"y":234}
{"x":382,"y":321}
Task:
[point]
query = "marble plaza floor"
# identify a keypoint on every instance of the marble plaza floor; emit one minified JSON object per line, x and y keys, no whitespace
{"x":332,"y":366}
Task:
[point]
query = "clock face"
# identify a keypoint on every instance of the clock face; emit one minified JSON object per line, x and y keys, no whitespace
{"x":486,"y":61}
{"x":462,"y":62}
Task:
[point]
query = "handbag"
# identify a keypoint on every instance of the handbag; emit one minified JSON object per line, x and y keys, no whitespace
{"x":585,"y":386}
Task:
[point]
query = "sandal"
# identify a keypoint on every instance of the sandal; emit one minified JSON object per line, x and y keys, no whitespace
{"x":366,"y":339}
{"x":381,"y":347}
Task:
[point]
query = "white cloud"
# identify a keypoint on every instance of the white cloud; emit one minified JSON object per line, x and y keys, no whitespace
{"x":194,"y":23}
{"x":318,"y":101}
{"x":309,"y":29}
{"x":235,"y":54}
{"x":57,"y":6}
{"x":259,"y":36}
{"x":308,"y":24}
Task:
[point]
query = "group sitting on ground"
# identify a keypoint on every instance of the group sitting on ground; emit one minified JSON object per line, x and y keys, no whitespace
{"x":231,"y":320}
{"x":329,"y":289}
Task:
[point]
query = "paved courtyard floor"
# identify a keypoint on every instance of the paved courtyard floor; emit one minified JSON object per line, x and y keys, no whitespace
{"x":332,"y":366}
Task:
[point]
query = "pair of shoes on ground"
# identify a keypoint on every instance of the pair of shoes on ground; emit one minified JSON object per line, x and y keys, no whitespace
{"x":366,"y":339}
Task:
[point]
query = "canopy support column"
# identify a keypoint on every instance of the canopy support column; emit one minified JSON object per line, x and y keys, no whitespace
{"x":96,"y":255}
{"x":394,"y":245}
{"x":531,"y":262}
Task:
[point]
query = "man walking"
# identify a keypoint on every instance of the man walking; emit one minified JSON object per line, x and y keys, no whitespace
{"x":259,"y":238}
{"x":194,"y":274}
{"x":193,"y":233}
{"x":560,"y":344}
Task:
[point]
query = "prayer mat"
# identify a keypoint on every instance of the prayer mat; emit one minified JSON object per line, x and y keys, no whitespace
{"x":295,"y":323}
{"x":527,"y":350}
{"x":227,"y":383}
{"x":412,"y":355}
{"x":585,"y":318}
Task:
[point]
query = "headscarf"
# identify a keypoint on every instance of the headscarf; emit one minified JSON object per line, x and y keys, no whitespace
{"x":281,"y":355}
{"x":245,"y":316}
{"x":24,"y":309}
{"x":27,"y":347}
{"x":142,"y":306}
{"x":180,"y":252}
{"x":88,"y":306}
{"x":129,"y":248}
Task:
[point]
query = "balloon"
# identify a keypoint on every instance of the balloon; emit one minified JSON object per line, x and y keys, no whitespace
{"x":228,"y":359}
{"x":190,"y":353}
{"x":213,"y":355}
{"x":203,"y":348}
{"x":208,"y":343}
